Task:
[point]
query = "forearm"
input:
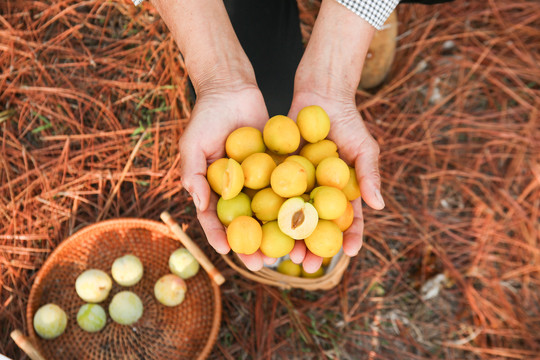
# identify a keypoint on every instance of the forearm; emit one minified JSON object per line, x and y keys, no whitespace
{"x":214,"y":58}
{"x":333,"y":60}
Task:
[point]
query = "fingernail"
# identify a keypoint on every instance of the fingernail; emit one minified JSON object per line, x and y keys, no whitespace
{"x":196,"y":200}
{"x":379,"y":198}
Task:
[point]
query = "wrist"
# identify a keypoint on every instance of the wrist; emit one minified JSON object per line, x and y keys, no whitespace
{"x":224,"y":73}
{"x":212,"y":53}
{"x":333,"y":60}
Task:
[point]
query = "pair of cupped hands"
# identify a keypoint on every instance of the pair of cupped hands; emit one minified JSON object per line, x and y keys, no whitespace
{"x":217,"y":113}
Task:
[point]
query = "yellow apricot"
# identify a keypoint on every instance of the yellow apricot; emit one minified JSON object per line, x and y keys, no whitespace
{"x":214,"y":174}
{"x":243,"y":142}
{"x":244,"y":235}
{"x":319,"y":151}
{"x":257,"y":169}
{"x":352,"y":189}
{"x":332,"y":172}
{"x":289,"y":179}
{"x":308,"y":166}
{"x":330,"y":202}
{"x":275,"y":243}
{"x":297,"y":218}
{"x":345,"y":220}
{"x":287,"y":267}
{"x":281,"y":135}
{"x":316,"y":274}
{"x":313,"y":123}
{"x":232,"y":181}
{"x":326,"y":239}
{"x":265,"y":204}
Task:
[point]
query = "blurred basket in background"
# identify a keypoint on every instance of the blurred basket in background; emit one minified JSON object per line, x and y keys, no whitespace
{"x":187,"y":331}
{"x":270,"y":276}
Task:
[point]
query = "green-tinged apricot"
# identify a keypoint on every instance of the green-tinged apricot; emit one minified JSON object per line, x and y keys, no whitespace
{"x":289,"y":179}
{"x":183,"y":264}
{"x":214,"y":174}
{"x":126,"y":308}
{"x":314,"y":275}
{"x":170,"y":290}
{"x":308,"y":166}
{"x":313,"y":123}
{"x":127,"y":270}
{"x":232,"y":181}
{"x":50,"y":321}
{"x":275,"y":243}
{"x":257,"y":169}
{"x":345,"y":220}
{"x":93,"y":285}
{"x":243,"y":142}
{"x":287,"y":267}
{"x":319,"y":151}
{"x":326,"y":239}
{"x":244,"y":235}
{"x":265,"y":204}
{"x":329,"y":201}
{"x":281,"y":135}
{"x":91,"y":317}
{"x":332,"y":172}
{"x":297,"y":218}
{"x":227,"y":210}
{"x":352,"y":189}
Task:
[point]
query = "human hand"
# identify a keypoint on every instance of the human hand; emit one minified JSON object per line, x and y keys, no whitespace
{"x":328,"y":75}
{"x":358,"y":148}
{"x":215,"y":115}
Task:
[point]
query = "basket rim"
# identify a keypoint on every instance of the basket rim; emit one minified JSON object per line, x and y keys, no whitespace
{"x":269,"y":276}
{"x":134,"y":222}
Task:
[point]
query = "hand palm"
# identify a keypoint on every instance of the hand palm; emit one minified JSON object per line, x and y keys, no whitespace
{"x":358,"y":148}
{"x":214,"y":117}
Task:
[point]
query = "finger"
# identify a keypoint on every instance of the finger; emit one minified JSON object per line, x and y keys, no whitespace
{"x":269,"y":260}
{"x":214,"y":230}
{"x":312,"y":262}
{"x":253,"y":262}
{"x":298,"y":252}
{"x":193,"y":173}
{"x":353,"y":236}
{"x":367,"y":172}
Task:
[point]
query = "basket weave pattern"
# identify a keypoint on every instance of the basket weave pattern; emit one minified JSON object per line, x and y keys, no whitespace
{"x":187,"y":331}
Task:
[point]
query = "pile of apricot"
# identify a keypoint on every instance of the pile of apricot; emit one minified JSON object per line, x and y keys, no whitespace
{"x":274,"y":192}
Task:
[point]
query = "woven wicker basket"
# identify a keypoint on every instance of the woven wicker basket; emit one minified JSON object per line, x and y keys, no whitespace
{"x":187,"y":331}
{"x":269,"y":276}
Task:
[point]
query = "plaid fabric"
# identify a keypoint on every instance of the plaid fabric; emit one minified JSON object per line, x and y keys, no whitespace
{"x":374,"y":12}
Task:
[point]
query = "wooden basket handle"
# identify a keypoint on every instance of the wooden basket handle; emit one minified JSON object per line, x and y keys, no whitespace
{"x":26,"y":345}
{"x":193,"y":248}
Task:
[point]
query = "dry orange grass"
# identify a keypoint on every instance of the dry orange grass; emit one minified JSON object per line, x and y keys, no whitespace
{"x":92,"y":104}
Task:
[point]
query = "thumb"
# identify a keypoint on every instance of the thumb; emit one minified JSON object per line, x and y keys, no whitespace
{"x":193,"y":175}
{"x":367,"y":172}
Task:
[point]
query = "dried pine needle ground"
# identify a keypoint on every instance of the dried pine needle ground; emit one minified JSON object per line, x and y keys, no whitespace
{"x":92,"y":104}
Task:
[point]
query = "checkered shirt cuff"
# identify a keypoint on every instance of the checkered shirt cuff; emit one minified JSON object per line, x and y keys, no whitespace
{"x":374,"y":12}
